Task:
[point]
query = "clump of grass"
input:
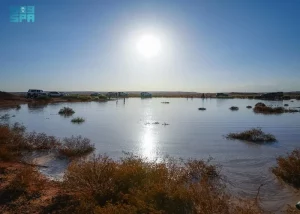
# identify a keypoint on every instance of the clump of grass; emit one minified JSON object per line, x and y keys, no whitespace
{"x":286,"y":104}
{"x":234,"y":108}
{"x":249,"y":107}
{"x":135,"y":185}
{"x":66,"y":111}
{"x":202,"y":109}
{"x":288,"y":169}
{"x":76,"y":147}
{"x":255,"y":135}
{"x":78,"y":120}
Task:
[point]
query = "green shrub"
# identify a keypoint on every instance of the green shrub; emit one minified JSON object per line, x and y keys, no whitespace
{"x":66,"y":111}
{"x":78,"y":120}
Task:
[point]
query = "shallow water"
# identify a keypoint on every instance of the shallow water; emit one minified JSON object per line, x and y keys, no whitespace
{"x":128,"y":126}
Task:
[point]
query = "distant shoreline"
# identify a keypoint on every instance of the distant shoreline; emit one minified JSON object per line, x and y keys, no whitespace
{"x":11,"y":100}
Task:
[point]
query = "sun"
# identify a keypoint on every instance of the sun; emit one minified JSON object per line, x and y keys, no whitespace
{"x":148,"y":46}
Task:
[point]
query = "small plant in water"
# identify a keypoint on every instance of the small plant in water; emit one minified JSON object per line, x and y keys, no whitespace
{"x":76,"y":147}
{"x":77,"y":120}
{"x":66,"y":111}
{"x":202,"y":109}
{"x":249,"y":107}
{"x":234,"y":108}
{"x":5,"y":117}
{"x":253,"y":135}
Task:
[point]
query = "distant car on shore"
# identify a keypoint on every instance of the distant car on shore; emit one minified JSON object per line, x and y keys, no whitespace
{"x":96,"y":94}
{"x":55,"y":94}
{"x":33,"y":93}
{"x":146,"y":95}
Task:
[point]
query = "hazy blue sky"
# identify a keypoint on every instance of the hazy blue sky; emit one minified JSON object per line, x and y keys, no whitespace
{"x":206,"y":45}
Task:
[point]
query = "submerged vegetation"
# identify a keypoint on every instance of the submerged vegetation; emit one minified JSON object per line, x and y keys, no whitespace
{"x":66,"y":111}
{"x":77,"y":120}
{"x":255,"y":135}
{"x":14,"y":141}
{"x":234,"y":108}
{"x":288,"y":168}
{"x":261,"y":108}
{"x":76,"y":146}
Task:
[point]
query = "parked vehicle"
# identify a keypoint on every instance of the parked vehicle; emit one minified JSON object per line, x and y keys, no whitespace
{"x":43,"y":94}
{"x":54,"y":94}
{"x":122,"y":94}
{"x":64,"y":94}
{"x":112,"y":94}
{"x":95,"y":94}
{"x":146,"y":95}
{"x":32,"y":93}
{"x":221,"y":95}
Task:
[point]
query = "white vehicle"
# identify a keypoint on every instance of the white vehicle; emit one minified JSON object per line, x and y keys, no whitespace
{"x":43,"y":94}
{"x":54,"y":94}
{"x":34,"y":93}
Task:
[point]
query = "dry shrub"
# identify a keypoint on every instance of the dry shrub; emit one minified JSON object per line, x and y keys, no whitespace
{"x":288,"y":168}
{"x":27,"y":180}
{"x":255,"y":135}
{"x":76,"y":147}
{"x":133,"y":185}
{"x":40,"y":141}
{"x":10,"y":141}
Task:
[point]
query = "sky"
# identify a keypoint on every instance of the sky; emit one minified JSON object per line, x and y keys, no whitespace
{"x":205,"y":46}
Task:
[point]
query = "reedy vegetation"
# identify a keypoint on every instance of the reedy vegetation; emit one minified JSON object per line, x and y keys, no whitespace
{"x":255,"y":135}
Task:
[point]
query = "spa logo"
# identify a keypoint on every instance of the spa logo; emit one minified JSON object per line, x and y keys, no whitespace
{"x":21,"y":14}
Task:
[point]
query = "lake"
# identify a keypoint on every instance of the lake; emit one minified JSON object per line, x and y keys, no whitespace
{"x":129,"y":126}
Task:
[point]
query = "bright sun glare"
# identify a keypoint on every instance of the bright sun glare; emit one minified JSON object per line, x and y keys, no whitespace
{"x":148,"y":46}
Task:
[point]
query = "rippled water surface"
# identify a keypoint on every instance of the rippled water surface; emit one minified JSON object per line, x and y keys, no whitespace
{"x":128,"y":126}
